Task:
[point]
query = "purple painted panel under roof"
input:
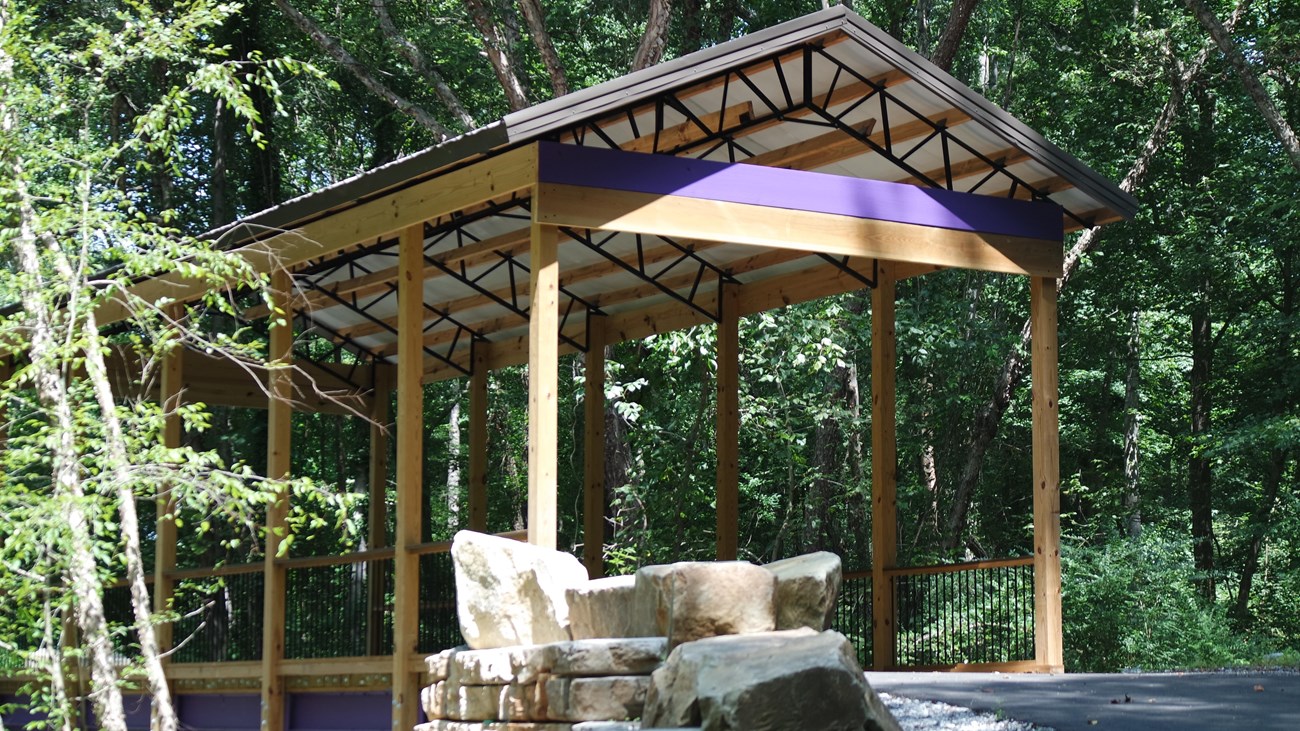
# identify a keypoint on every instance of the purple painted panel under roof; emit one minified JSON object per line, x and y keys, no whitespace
{"x":220,"y":712}
{"x":359,"y":711}
{"x":797,"y":190}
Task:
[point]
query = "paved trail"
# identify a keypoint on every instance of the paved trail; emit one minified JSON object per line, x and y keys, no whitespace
{"x":1128,"y":702}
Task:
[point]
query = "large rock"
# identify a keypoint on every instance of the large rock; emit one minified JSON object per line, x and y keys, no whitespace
{"x":616,"y":698}
{"x":511,"y":593}
{"x":596,"y":658}
{"x":806,"y":589}
{"x":602,"y":608}
{"x":795,"y":679}
{"x":691,"y":600}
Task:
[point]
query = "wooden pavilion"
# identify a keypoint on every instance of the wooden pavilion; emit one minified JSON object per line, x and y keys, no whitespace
{"x":813,"y":158}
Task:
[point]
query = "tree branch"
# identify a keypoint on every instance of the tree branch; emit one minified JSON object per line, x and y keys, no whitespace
{"x":1223,"y":39}
{"x":416,"y":58}
{"x":987,"y":419}
{"x":341,"y":56}
{"x":536,"y":20}
{"x":498,"y":53}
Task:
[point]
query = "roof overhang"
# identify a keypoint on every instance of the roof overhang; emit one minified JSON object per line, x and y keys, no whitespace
{"x":787,"y":162}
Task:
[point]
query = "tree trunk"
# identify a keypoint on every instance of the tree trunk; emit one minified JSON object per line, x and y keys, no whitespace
{"x":651,"y":48}
{"x":1132,"y":419}
{"x":362,"y":72}
{"x":1263,"y":102}
{"x":950,"y":41}
{"x":1199,"y":474}
{"x":1259,"y":526}
{"x":416,"y":58}
{"x":497,"y":47}
{"x":536,"y":19}
{"x":453,"y":466}
{"x":989,"y":416}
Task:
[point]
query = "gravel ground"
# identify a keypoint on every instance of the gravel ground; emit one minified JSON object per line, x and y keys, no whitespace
{"x":915,"y":715}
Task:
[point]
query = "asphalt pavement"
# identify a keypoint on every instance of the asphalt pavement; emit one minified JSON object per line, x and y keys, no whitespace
{"x":1258,"y":701}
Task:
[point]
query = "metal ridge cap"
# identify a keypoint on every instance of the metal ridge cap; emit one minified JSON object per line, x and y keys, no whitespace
{"x":529,"y":123}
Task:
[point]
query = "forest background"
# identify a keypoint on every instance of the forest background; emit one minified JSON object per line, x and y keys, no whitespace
{"x":1180,"y":361}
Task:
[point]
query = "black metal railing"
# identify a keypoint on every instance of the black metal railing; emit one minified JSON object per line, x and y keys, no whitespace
{"x":439,"y":626}
{"x":339,"y":610}
{"x":853,"y":613}
{"x":219,"y":617}
{"x":974,"y":613}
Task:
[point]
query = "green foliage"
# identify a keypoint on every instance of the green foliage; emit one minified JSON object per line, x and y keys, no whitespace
{"x":1132,"y":604}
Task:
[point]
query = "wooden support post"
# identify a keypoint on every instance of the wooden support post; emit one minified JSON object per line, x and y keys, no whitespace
{"x":279,"y":431}
{"x":478,"y":438}
{"x":728,"y":406}
{"x":543,"y":381}
{"x":169,"y":397}
{"x":1048,"y":643}
{"x":593,"y":450}
{"x":410,"y":478}
{"x":884,"y":468}
{"x":377,"y":530}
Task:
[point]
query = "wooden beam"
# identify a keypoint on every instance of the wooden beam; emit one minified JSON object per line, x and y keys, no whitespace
{"x":837,"y":235}
{"x":593,"y":450}
{"x":838,"y":145}
{"x":884,"y":468}
{"x":478,"y":438}
{"x":543,"y":380}
{"x":688,"y":131}
{"x":1048,"y":647}
{"x":173,"y":382}
{"x":974,"y":166}
{"x":568,"y":279}
{"x":279,"y":433}
{"x":410,"y":458}
{"x":377,"y":528}
{"x":495,"y":177}
{"x":728,"y":430}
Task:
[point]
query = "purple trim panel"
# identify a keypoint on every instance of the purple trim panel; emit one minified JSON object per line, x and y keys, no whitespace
{"x":220,"y":712}
{"x":878,"y":200}
{"x":363,"y":711}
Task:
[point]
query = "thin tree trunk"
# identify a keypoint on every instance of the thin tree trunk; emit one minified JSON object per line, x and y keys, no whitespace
{"x":1132,"y":423}
{"x":368,"y":79}
{"x":1200,"y":476}
{"x":535,"y":16}
{"x":498,"y":52}
{"x":51,"y":388}
{"x":1259,"y":526}
{"x":218,"y":215}
{"x":416,"y":58}
{"x":57,"y":671}
{"x":453,"y":466}
{"x":651,"y":48}
{"x":989,"y":416}
{"x":1263,"y":102}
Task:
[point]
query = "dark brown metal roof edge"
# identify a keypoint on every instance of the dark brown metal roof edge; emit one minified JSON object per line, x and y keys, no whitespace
{"x":533,"y":122}
{"x":990,"y":115}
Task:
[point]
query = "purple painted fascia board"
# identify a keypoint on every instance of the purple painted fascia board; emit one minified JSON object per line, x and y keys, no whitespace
{"x":637,"y":172}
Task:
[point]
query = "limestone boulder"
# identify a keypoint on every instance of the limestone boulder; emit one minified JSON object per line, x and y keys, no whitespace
{"x":806,"y":589}
{"x":597,"y":658}
{"x":511,"y":593}
{"x":602,"y":608}
{"x":691,"y":600}
{"x":765,"y":682}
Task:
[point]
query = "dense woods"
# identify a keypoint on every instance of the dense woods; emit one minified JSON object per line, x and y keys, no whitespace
{"x":1179,"y":330}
